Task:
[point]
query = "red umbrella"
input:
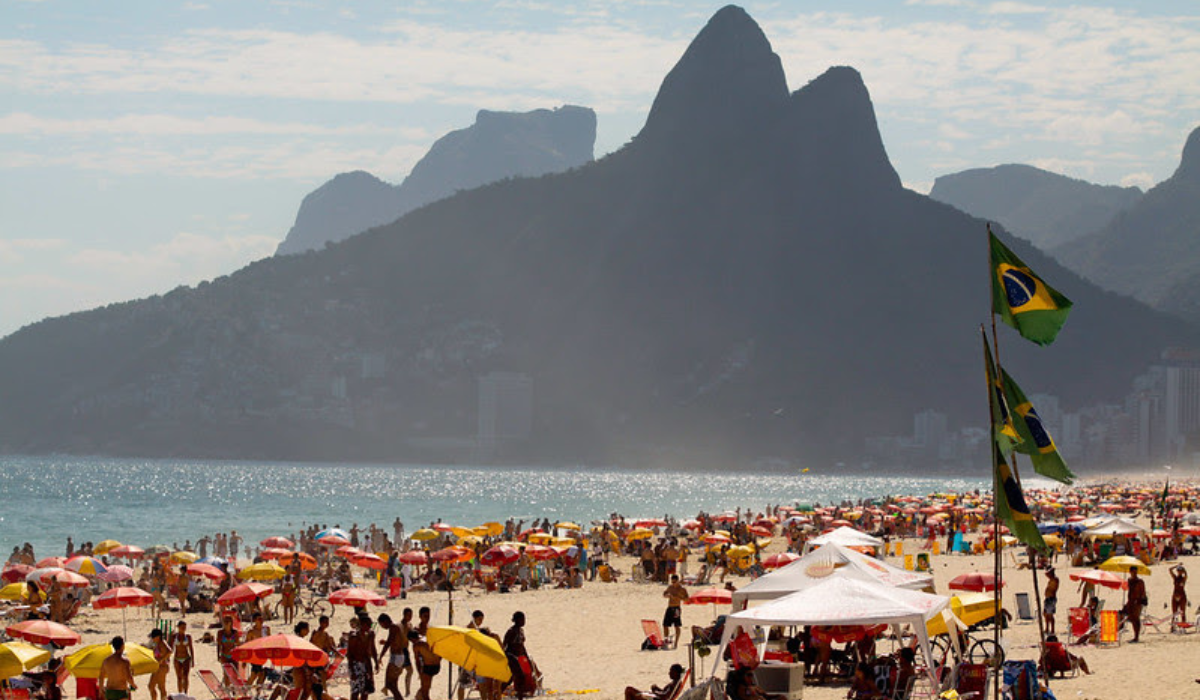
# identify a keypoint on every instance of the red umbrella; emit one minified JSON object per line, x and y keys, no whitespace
{"x":44,"y":632}
{"x":66,"y":578}
{"x":281,"y":650}
{"x":761,"y":531}
{"x":711,"y":595}
{"x":334,"y":541}
{"x":116,"y":573}
{"x":541,"y":552}
{"x":51,"y":562}
{"x":1107,"y":579}
{"x":273,"y":552}
{"x":781,"y":559}
{"x":650,"y":522}
{"x":307,"y":561}
{"x":530,"y":531}
{"x":499,"y":556}
{"x":443,"y":527}
{"x":357,"y":597}
{"x":124,"y":597}
{"x":452,"y":554}
{"x":16,"y":572}
{"x":207,"y":571}
{"x":244,"y":593}
{"x":973,"y":581}
{"x":415,"y":556}
{"x":348,"y":552}
{"x":127,"y":551}
{"x":370,"y":561}
{"x":280,"y":542}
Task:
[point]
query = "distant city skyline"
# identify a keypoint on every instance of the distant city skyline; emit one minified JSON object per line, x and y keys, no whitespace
{"x":148,"y":145}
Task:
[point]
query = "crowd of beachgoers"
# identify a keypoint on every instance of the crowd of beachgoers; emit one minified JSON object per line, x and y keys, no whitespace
{"x":233,"y":592}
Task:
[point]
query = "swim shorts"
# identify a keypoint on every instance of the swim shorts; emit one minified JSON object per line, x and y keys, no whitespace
{"x":116,"y":694}
{"x":673,"y":617}
{"x":1051,"y":606}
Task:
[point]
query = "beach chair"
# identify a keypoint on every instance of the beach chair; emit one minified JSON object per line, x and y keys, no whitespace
{"x":683,"y":683}
{"x":14,"y":693}
{"x":1110,"y":627}
{"x":1057,"y":662}
{"x":239,"y":686}
{"x":219,"y":690}
{"x":1156,"y":623}
{"x":1080,"y":625}
{"x":1024,"y":613}
{"x":971,"y":681}
{"x":654,"y":635}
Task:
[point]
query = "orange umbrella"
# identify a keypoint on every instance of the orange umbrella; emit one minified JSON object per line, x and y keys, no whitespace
{"x":415,"y":556}
{"x":356,"y":597}
{"x":244,"y":593}
{"x":453,"y":554}
{"x":370,"y":561}
{"x":207,"y":571}
{"x":281,"y":650}
{"x":127,"y":551}
{"x":307,"y":561}
{"x":44,"y":632}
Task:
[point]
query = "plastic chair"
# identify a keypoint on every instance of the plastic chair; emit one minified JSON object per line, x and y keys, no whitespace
{"x":971,"y":681}
{"x":219,"y":690}
{"x":1080,"y":625}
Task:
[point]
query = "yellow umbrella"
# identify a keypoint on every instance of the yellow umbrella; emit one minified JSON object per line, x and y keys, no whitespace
{"x":1125,"y":564}
{"x":18,"y":657}
{"x":567,"y":526}
{"x":471,"y":649}
{"x":480,"y":531}
{"x":1052,"y":540}
{"x":740,"y":551}
{"x":469,"y":541}
{"x":14,"y":591}
{"x":262,"y":571}
{"x":539,"y":538}
{"x":425,"y":534}
{"x":183,"y":557}
{"x":639,"y":533}
{"x":86,"y":662}
{"x":106,"y":546}
{"x":493,"y":529}
{"x":968,"y":608}
{"x":562,"y":542}
{"x":462,"y":532}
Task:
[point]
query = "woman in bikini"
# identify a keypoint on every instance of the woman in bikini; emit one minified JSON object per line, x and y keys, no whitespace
{"x":182,"y":591}
{"x":185,"y":655}
{"x":227,"y":639}
{"x":162,"y":654}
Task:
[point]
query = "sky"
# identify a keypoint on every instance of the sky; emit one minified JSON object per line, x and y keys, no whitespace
{"x":147,"y":144}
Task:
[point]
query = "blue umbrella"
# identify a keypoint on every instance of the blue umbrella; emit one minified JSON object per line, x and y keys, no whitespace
{"x":214,"y":561}
{"x":336,"y":531}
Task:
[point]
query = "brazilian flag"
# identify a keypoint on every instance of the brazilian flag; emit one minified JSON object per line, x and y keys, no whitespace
{"x":1003,"y":431}
{"x":1011,"y":508}
{"x":1035,"y":439}
{"x":1022,"y":299}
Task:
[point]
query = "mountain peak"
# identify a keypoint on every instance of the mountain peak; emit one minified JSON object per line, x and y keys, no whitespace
{"x":728,"y":74}
{"x":1189,"y":163}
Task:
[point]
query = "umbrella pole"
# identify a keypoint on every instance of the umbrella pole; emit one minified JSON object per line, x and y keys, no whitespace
{"x":450,"y":621}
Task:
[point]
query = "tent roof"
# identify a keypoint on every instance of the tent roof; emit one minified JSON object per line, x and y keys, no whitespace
{"x":846,"y":536}
{"x":843,"y":601}
{"x":818,"y":566}
{"x":1116,"y":526}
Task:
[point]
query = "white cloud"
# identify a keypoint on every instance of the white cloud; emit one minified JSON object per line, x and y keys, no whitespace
{"x":186,"y":258}
{"x":13,"y":250}
{"x":1014,"y":8}
{"x":1143,"y":180}
{"x":25,"y":124}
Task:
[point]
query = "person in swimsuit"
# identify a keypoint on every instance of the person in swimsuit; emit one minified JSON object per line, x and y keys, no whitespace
{"x":303,"y":676}
{"x":287,"y":593}
{"x":116,"y":674}
{"x":1135,"y":603}
{"x":360,"y":657}
{"x":181,"y":591}
{"x":428,"y":664}
{"x":185,"y":655}
{"x":1179,"y":599}
{"x":162,"y":654}
{"x":258,"y":673}
{"x":322,"y":640}
{"x":466,"y":679}
{"x":227,"y":639}
{"x":675,"y":594}
{"x":514,"y":649}
{"x":1050,"y":607}
{"x":397,"y":653}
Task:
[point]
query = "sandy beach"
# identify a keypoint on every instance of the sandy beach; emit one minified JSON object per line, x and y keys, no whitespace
{"x":588,"y":641}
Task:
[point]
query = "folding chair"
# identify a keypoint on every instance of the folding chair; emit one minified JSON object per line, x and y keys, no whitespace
{"x":1081,"y":625}
{"x":219,"y":690}
{"x":654,"y":635}
{"x":1024,"y":613}
{"x":1058,"y":662}
{"x":971,"y":681}
{"x":1110,"y":627}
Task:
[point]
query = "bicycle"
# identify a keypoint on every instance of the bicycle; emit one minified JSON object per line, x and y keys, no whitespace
{"x":307,"y":602}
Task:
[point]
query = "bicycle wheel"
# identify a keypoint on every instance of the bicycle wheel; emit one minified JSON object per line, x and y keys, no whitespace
{"x":278,"y":610}
{"x":940,"y":648}
{"x":322,"y":607}
{"x":984,"y":651}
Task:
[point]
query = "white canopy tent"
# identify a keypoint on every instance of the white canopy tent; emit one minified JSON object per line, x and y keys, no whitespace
{"x":818,"y":566}
{"x":1116,"y":526}
{"x":843,"y":601}
{"x":845,"y":536}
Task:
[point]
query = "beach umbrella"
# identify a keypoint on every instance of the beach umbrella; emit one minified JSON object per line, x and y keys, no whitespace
{"x":18,"y":657}
{"x":307,"y":561}
{"x":471,"y":650}
{"x":973,"y":581}
{"x":37,"y":574}
{"x":639,"y":533}
{"x":370,"y":561}
{"x":333,"y":531}
{"x":273,"y":552}
{"x":66,"y":578}
{"x":334,"y":541}
{"x":650,"y":522}
{"x":566,"y":525}
{"x":207,"y":571}
{"x":711,"y":595}
{"x":348,"y":552}
{"x":15,"y":572}
{"x":414,"y":556}
{"x":106,"y":546}
{"x":424,"y":535}
{"x":212,"y":561}
{"x":43,"y":632}
{"x":116,"y":573}
{"x":692,"y":524}
{"x":541,"y":552}
{"x":281,"y":650}
{"x":539,"y":538}
{"x":493,"y":529}
{"x":471,"y":541}
{"x":525,"y":534}
{"x":50,"y":563}
{"x":183,"y":557}
{"x":452,"y":554}
{"x":356,"y":597}
{"x":780,"y":559}
{"x":715,"y":538}
{"x":244,"y":593}
{"x":1125,"y":564}
{"x":761,"y":531}
{"x":127,"y":551}
{"x":124,"y":597}
{"x":86,"y":662}
{"x":1101,"y":577}
{"x":14,"y":591}
{"x":499,"y":556}
{"x":262,"y":571}
{"x":158,"y":550}
{"x":88,"y":566}
{"x":280,"y":542}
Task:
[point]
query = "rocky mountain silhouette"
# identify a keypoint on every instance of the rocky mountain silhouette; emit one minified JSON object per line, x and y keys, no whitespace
{"x":1152,"y":250}
{"x":496,"y":146}
{"x":1045,"y":208}
{"x":747,"y":278}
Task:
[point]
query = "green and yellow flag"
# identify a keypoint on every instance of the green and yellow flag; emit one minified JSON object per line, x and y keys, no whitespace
{"x":1010,"y":504}
{"x":1035,"y":439}
{"x":1003,"y":431}
{"x":1022,"y":299}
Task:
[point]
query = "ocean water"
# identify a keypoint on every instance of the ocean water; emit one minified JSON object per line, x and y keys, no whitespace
{"x":146,"y":502}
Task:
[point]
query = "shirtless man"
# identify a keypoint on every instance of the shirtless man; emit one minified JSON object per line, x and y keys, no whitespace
{"x":1133,"y":607}
{"x":673,"y":617}
{"x":1179,"y":598}
{"x":514,"y":649}
{"x":302,"y":676}
{"x":258,"y":672}
{"x":1051,"y":604}
{"x":423,"y":620}
{"x":116,"y":674}
{"x":360,"y":657}
{"x":395,"y":646}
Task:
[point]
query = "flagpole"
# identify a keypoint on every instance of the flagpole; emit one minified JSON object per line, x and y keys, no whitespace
{"x":997,"y":569}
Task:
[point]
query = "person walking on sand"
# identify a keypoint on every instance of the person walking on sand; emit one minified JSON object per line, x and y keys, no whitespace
{"x":162,"y":654}
{"x":397,"y":653}
{"x":116,"y":674}
{"x":673,"y":617}
{"x":1179,"y":599}
{"x":185,"y":656}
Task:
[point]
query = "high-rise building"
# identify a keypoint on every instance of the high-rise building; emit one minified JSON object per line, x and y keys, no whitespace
{"x":1181,"y":398}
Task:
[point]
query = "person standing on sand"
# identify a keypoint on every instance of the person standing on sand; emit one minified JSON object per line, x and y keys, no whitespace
{"x":162,"y":654}
{"x":514,"y":649}
{"x":360,"y":657}
{"x":1051,"y":604}
{"x":673,"y":617}
{"x":185,"y":656}
{"x":1137,"y":601}
{"x":116,"y":674}
{"x":397,"y":653}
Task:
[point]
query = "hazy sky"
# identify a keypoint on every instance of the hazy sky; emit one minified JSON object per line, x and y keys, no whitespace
{"x":149,"y":144}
